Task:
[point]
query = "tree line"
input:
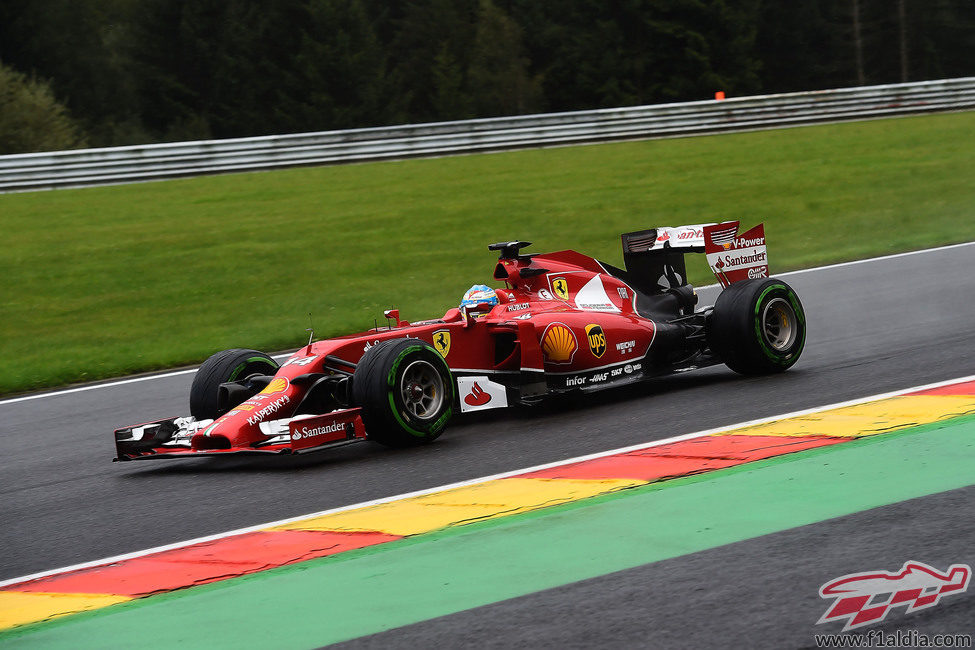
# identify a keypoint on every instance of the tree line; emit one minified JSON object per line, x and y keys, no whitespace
{"x":113,"y":72}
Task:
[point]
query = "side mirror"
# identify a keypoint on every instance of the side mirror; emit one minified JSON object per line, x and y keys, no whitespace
{"x":394,"y":314}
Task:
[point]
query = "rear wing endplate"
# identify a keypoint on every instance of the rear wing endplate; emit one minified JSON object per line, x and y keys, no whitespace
{"x":733,"y":257}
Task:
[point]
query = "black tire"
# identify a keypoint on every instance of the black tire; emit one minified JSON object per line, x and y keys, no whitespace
{"x":406,"y":392}
{"x":758,"y":326}
{"x":229,"y":365}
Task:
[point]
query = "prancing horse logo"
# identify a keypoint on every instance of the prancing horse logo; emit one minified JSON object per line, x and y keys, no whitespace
{"x":561,"y":288}
{"x":441,"y":341}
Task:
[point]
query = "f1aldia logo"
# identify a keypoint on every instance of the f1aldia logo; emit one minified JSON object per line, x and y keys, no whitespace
{"x":864,"y":598}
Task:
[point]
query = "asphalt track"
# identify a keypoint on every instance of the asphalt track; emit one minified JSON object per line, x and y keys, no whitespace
{"x":756,"y":593}
{"x":874,"y":326}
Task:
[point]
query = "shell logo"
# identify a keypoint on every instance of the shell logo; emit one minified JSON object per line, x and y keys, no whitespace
{"x":276,"y":386}
{"x":559,"y":343}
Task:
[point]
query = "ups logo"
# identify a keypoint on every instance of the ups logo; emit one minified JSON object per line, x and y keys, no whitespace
{"x":597,"y":340}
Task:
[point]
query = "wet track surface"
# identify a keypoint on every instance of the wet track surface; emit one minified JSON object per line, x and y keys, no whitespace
{"x":761,"y":592}
{"x":873,"y":327}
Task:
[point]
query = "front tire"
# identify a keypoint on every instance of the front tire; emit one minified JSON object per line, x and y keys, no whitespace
{"x":758,"y":326}
{"x":226,"y":366}
{"x":406,"y":392}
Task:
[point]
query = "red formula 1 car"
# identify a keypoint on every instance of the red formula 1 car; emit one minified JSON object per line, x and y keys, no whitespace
{"x":564,"y":322}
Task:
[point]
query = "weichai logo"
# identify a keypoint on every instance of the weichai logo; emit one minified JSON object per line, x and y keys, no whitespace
{"x":597,"y":340}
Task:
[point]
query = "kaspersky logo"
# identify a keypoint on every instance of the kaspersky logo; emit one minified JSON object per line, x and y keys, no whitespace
{"x":864,"y":598}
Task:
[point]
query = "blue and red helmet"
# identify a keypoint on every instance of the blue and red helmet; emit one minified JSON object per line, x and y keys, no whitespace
{"x":478,"y":294}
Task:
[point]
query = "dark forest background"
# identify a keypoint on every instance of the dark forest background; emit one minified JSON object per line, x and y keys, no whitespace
{"x":112,"y":72}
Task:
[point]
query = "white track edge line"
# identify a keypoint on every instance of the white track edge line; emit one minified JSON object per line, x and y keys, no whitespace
{"x":876,"y":259}
{"x":852,"y":263}
{"x":134,"y":380}
{"x":484,"y":479}
{"x":109,"y":384}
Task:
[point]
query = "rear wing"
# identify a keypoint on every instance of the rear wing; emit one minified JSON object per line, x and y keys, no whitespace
{"x":656,"y":256}
{"x":733,"y":257}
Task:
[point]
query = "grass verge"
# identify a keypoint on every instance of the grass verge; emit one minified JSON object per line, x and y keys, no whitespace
{"x":112,"y":280}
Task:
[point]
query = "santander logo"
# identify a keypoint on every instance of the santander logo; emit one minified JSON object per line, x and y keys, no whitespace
{"x":477,"y":396}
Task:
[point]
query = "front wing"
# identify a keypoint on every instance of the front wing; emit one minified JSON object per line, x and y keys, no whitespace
{"x":186,"y":437}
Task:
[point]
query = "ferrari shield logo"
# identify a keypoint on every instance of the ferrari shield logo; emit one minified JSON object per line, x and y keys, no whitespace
{"x":441,"y":341}
{"x":561,"y":288}
{"x":597,"y":340}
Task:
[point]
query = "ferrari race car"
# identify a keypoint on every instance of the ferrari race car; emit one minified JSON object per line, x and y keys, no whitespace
{"x":564,"y":322}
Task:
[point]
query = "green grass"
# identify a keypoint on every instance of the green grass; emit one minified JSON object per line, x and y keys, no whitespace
{"x":104,"y":281}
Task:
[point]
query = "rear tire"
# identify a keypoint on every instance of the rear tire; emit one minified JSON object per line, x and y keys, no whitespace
{"x":223,"y":367}
{"x":758,"y":326}
{"x":406,"y":392}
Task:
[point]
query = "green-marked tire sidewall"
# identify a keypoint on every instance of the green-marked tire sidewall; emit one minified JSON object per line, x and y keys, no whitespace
{"x":396,"y":409}
{"x":735,"y":333}
{"x":790,"y":295}
{"x":234,"y":375}
{"x":374,"y":390}
{"x":224,"y":366}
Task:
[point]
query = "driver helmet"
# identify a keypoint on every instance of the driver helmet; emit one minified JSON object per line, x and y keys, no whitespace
{"x":479,"y":293}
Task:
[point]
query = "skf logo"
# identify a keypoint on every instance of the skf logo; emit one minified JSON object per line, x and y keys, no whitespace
{"x":864,"y":598}
{"x":561,"y":288}
{"x":597,"y":340}
{"x":559,"y":343}
{"x":441,"y":341}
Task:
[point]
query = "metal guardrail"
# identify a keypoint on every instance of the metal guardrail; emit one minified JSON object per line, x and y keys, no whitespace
{"x":82,"y":167}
